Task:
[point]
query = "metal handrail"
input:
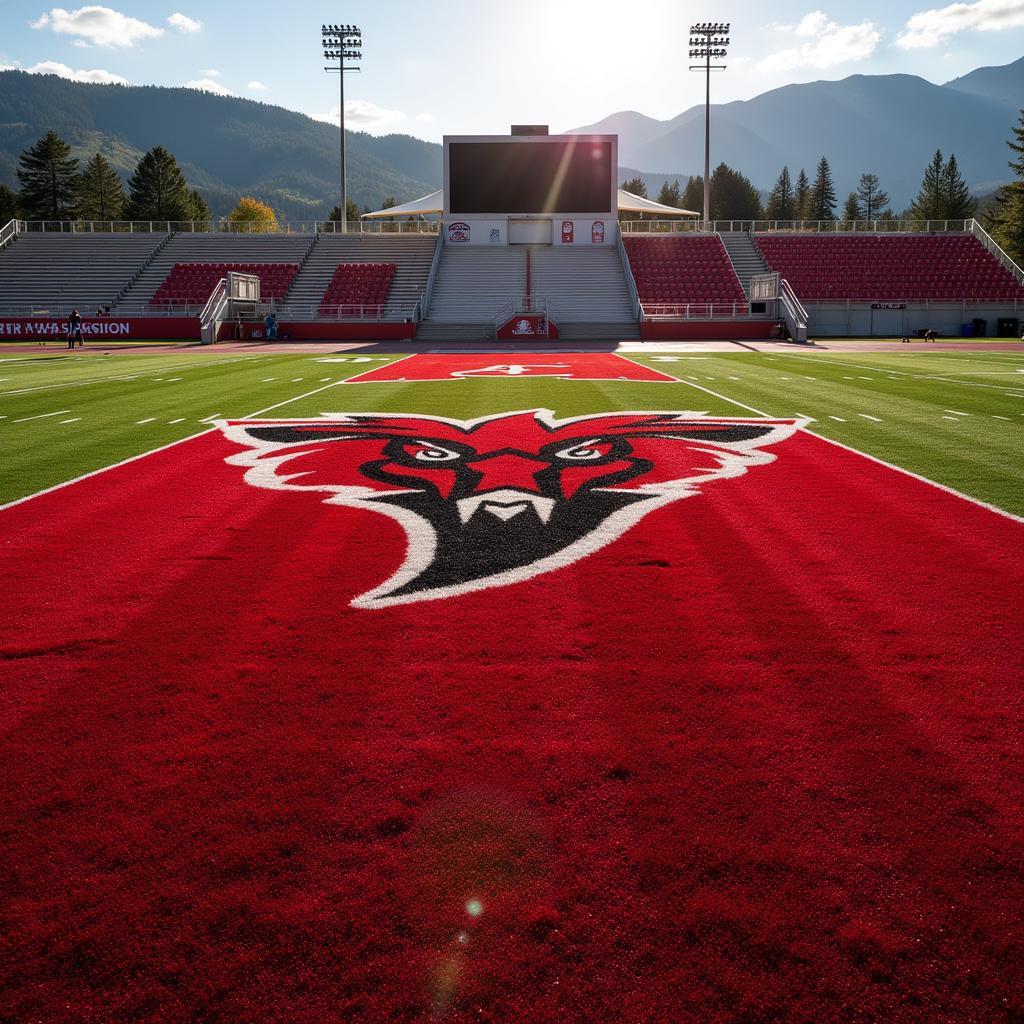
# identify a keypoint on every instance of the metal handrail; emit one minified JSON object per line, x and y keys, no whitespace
{"x":10,"y":231}
{"x":435,"y":263}
{"x":881,"y":227}
{"x":992,"y":246}
{"x":634,"y":293}
{"x":698,"y":311}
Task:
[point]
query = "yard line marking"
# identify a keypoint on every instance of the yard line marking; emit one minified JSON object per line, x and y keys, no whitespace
{"x":152,"y":419}
{"x":180,"y":420}
{"x":206,"y":419}
{"x":955,"y":413}
{"x":867,"y":417}
{"x":171,"y":380}
{"x":849,"y":378}
{"x":322,"y":379}
{"x":943,"y":378}
{"x":953,"y":418}
{"x":295,"y":380}
{"x":266,"y":380}
{"x":810,"y":378}
{"x":734,"y":378}
{"x":73,"y":420}
{"x":864,"y":455}
{"x":865,"y":378}
{"x":163,"y":447}
{"x":838,"y":419}
{"x":995,"y":417}
{"x":41,"y":416}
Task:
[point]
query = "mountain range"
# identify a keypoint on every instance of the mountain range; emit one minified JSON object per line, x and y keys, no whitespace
{"x":228,"y":146}
{"x":888,"y":124}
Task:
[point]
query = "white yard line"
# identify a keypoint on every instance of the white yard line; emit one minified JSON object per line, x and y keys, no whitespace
{"x":164,"y":447}
{"x":181,"y":419}
{"x":838,"y":419}
{"x":955,"y":413}
{"x":953,"y":418}
{"x":867,"y":417}
{"x":41,"y":416}
{"x":881,"y":462}
{"x":995,"y":417}
{"x":75,"y":420}
{"x":152,"y":419}
{"x":212,"y":416}
{"x":896,"y":374}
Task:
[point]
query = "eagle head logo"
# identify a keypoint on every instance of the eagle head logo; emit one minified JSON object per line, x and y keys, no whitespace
{"x":499,"y":499}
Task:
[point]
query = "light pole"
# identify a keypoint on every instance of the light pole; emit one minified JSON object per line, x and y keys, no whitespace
{"x":342,"y":43}
{"x":707,"y":40}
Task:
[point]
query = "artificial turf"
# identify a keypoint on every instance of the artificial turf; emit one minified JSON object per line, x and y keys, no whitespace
{"x":953,"y":417}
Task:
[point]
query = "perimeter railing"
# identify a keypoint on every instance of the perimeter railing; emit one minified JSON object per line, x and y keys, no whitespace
{"x":850,"y":227}
{"x":223,"y":227}
{"x":697,"y":311}
{"x":993,"y":247}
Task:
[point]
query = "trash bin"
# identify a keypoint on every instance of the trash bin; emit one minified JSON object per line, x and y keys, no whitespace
{"x":979,"y":327}
{"x":1008,"y":327}
{"x":966,"y":330}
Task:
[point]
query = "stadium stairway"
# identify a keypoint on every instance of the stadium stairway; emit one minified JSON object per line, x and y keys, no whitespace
{"x":186,"y":247}
{"x":745,"y":257}
{"x":472,"y":284}
{"x":411,"y":254}
{"x":585,"y":288}
{"x":586,"y":291}
{"x":57,"y":272}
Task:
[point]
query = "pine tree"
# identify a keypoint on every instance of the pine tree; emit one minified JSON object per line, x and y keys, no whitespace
{"x":388,"y":203}
{"x":158,"y":190}
{"x":101,"y":196}
{"x":1007,"y":218}
{"x":670,"y":194}
{"x":801,"y":196}
{"x":49,"y":180}
{"x":693,"y":195}
{"x":929,"y":202}
{"x":10,"y":208}
{"x":782,"y":201}
{"x":852,"y":209}
{"x":957,"y":199}
{"x":636,"y":187}
{"x":200,"y":211}
{"x":821,"y":202}
{"x":872,"y":199}
{"x":252,"y":215}
{"x":733,"y":197}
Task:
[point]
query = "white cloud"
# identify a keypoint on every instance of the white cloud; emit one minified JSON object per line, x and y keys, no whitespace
{"x":256,"y":86}
{"x":362,"y":115}
{"x":426,"y":118}
{"x":183,"y":23}
{"x":932,"y":27}
{"x":829,"y":43}
{"x":98,"y":26}
{"x":95,"y":76}
{"x":209,"y":85}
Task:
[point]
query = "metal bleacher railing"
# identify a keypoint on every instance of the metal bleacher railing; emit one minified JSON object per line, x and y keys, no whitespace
{"x":311,"y":227}
{"x":677,"y":227}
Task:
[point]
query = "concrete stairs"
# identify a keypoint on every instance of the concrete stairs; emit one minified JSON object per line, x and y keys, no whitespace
{"x":411,"y":254}
{"x":745,"y":257}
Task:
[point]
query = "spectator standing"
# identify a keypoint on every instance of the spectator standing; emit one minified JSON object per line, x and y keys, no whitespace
{"x":75,"y":329}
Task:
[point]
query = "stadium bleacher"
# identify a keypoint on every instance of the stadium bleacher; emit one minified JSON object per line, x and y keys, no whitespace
{"x":190,"y":284}
{"x":358,"y":289}
{"x":682,"y":269}
{"x":887,"y":268}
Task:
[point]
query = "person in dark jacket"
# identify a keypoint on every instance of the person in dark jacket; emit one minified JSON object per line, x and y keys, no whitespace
{"x":75,"y":329}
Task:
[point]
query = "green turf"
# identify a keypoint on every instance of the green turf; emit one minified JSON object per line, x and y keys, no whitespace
{"x":954,"y":417}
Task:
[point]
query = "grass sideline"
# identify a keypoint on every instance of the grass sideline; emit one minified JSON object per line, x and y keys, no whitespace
{"x":955,"y":418}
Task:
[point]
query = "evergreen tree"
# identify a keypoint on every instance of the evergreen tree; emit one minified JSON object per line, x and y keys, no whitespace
{"x":872,"y":199}
{"x":158,"y":190}
{"x":636,"y":187}
{"x":389,"y":203}
{"x":10,"y":208}
{"x":693,"y":195}
{"x":252,"y":215}
{"x":929,"y":203}
{"x":1007,"y":218}
{"x":101,"y":196}
{"x":351,"y":207}
{"x":200,"y":211}
{"x":821,"y":202}
{"x":852,"y":209}
{"x":49,"y":180}
{"x":957,"y":199}
{"x":670,"y":194}
{"x":801,"y":196}
{"x":782,"y":201}
{"x":733,"y":197}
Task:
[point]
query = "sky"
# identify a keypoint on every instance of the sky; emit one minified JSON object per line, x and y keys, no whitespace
{"x":476,"y":66}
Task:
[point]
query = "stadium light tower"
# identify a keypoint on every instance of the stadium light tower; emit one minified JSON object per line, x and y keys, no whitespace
{"x":708,"y":41}
{"x":342,"y":43}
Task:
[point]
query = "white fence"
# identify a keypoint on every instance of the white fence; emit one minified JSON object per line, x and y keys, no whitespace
{"x":166,"y":227}
{"x":848,"y":227}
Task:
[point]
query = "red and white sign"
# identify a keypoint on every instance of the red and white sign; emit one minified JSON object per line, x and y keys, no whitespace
{"x":597,"y":232}
{"x":530,"y":326}
{"x":112,"y":328}
{"x":459,"y":232}
{"x":569,"y":366}
{"x":567,"y":232}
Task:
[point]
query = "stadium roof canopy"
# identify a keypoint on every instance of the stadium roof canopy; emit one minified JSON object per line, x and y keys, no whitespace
{"x":434,"y":204}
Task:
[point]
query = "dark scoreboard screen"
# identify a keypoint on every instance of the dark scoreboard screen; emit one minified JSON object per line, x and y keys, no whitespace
{"x":570,"y":175}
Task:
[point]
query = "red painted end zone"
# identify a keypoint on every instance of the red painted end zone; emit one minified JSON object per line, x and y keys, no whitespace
{"x":757,"y":759}
{"x":569,"y":366}
{"x":107,"y":328}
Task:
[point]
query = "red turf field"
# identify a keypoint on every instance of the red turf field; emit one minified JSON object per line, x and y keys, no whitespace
{"x":745,"y":763}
